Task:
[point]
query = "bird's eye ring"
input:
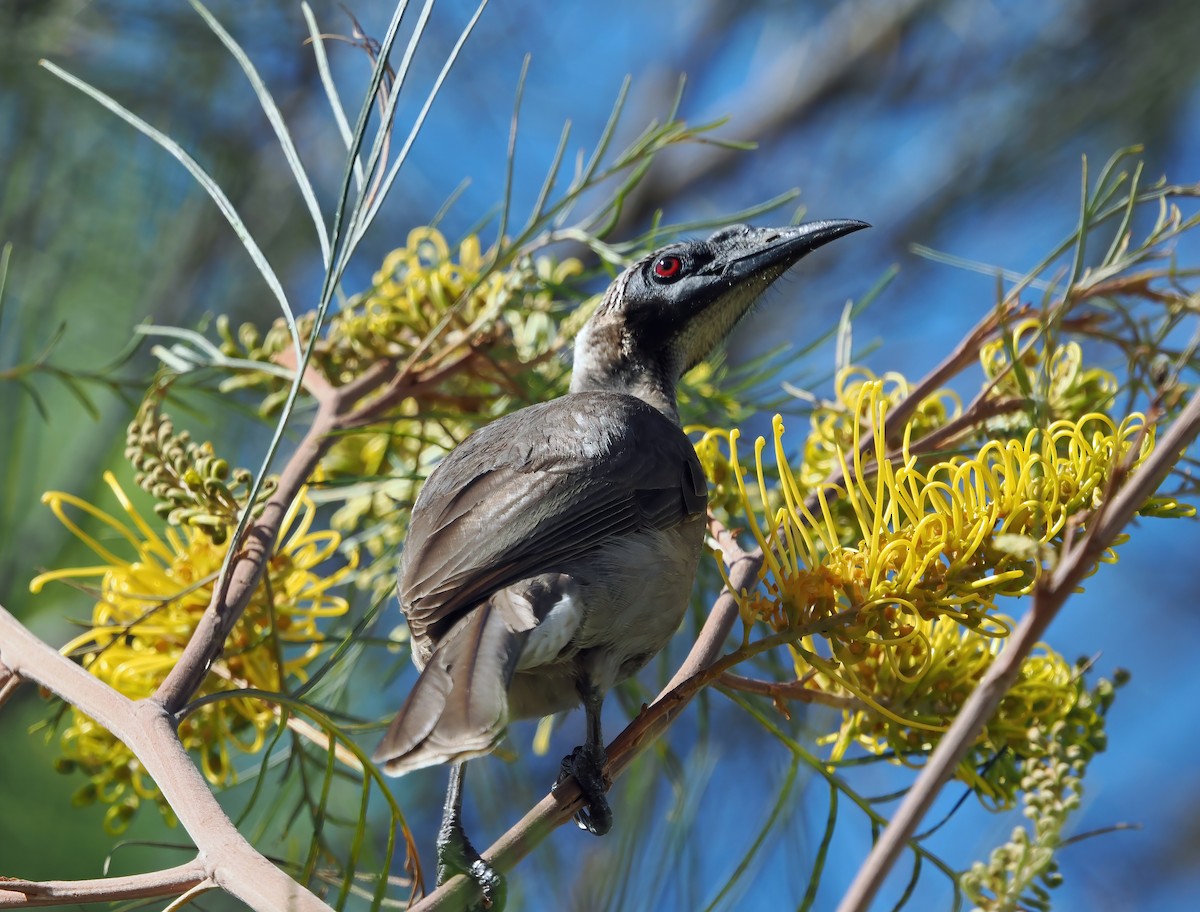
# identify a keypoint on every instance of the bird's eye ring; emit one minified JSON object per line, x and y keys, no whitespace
{"x":668,"y":268}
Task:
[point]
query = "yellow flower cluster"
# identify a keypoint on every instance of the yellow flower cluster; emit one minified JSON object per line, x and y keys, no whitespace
{"x":891,"y":578}
{"x":417,"y":288}
{"x":147,"y":608}
{"x":417,"y":285}
{"x":1053,"y":376}
{"x":834,"y":427}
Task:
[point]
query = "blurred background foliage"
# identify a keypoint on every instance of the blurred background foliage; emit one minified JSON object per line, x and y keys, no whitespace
{"x":957,"y":125}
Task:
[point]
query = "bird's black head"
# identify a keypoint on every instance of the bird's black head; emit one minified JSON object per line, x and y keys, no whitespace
{"x":667,"y":312}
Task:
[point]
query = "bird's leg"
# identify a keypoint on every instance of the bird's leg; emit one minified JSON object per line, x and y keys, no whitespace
{"x":456,"y":855}
{"x":586,"y":765}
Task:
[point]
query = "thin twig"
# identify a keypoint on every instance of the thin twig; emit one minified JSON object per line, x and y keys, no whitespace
{"x":981,"y":409}
{"x":9,"y":682}
{"x":404,"y":384}
{"x":787,"y":690}
{"x":27,"y":894}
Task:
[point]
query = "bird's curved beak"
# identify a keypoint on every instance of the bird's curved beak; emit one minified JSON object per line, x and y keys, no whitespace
{"x":768,"y":252}
{"x":745,"y":261}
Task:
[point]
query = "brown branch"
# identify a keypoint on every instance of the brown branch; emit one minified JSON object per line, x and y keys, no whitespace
{"x":147,"y":728}
{"x":230,"y":600}
{"x":1135,"y":284}
{"x":314,"y":382}
{"x":725,"y":540}
{"x":1078,"y":558}
{"x":787,"y":690}
{"x":380,"y":372}
{"x":402,"y":385}
{"x":979,"y":410}
{"x":744,"y":567}
{"x":27,"y":894}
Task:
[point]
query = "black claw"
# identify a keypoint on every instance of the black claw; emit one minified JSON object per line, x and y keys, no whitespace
{"x":586,"y":765}
{"x":456,"y":855}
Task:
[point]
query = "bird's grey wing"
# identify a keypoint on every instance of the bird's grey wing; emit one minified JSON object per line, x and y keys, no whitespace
{"x":533,"y":491}
{"x":458,"y":707}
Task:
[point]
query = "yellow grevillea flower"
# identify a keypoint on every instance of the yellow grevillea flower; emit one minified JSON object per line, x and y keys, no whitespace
{"x":833,"y":428}
{"x":891,"y":578}
{"x":509,"y":313}
{"x":1052,"y":375}
{"x":153,"y":589}
{"x":418,"y":283}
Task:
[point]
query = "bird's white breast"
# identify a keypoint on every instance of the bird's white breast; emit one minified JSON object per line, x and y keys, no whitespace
{"x":637,"y":598}
{"x":547,"y":641}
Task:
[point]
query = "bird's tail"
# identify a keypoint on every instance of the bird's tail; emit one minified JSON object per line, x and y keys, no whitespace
{"x":459,"y":706}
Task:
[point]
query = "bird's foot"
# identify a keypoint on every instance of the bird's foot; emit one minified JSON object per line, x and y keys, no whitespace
{"x":586,"y":765}
{"x":456,"y":855}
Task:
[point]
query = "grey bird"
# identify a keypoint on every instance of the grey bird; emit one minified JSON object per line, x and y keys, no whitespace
{"x":553,"y":552}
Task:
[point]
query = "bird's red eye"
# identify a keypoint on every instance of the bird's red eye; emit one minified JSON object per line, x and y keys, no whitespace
{"x":668,"y":267}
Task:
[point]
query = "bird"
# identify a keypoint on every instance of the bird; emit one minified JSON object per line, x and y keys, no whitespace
{"x":552,"y":553}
